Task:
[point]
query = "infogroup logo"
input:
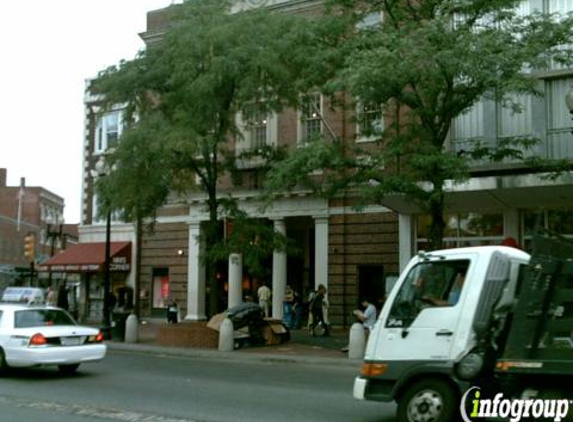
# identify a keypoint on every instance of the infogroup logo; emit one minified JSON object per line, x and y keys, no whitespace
{"x":514,"y":409}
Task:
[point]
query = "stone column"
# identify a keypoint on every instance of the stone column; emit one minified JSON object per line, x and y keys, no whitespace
{"x":279,"y":275}
{"x":321,"y":251}
{"x":195,"y":275}
{"x":235,"y":279}
{"x":321,"y":257}
{"x":405,"y":239}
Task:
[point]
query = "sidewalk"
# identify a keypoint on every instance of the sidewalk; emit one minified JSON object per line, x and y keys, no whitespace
{"x":302,"y":348}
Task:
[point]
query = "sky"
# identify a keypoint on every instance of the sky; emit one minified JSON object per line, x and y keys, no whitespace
{"x":48,"y":49}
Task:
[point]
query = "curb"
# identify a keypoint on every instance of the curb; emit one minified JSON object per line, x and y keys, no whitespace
{"x":253,"y":356}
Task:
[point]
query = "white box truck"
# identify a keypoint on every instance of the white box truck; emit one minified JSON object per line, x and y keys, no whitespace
{"x":476,"y":333}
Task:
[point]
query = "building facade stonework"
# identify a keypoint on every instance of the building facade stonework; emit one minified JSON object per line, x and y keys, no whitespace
{"x":352,"y":252}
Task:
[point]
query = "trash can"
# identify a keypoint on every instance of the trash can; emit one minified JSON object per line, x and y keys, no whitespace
{"x":118,"y":320}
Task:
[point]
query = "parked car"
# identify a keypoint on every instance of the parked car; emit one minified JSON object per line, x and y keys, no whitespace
{"x":29,"y":295}
{"x":39,"y":335}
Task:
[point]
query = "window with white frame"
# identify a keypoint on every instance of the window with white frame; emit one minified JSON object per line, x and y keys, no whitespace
{"x":258,"y":128}
{"x":255,"y":125}
{"x":107,"y":130}
{"x":95,"y":218}
{"x":369,"y":122}
{"x":310,"y":117}
{"x":99,"y":220}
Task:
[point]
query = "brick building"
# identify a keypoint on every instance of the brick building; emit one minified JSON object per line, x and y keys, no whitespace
{"x":353,"y":253}
{"x":28,"y":210}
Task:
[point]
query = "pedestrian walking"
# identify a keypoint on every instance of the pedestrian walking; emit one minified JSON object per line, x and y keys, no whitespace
{"x":317,"y":305}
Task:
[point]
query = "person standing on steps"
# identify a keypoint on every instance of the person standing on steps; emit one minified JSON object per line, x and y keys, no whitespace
{"x":265,"y":294}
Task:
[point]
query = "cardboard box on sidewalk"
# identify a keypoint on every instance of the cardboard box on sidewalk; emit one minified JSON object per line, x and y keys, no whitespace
{"x":274,"y":332}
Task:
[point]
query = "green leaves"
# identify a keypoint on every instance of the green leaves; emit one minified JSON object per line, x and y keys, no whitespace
{"x":427,"y":63}
{"x":182,"y":96}
{"x":254,"y":238}
{"x":140,"y":178}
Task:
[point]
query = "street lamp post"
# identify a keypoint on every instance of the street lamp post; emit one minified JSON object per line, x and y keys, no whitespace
{"x":101,"y":170}
{"x":106,"y":321}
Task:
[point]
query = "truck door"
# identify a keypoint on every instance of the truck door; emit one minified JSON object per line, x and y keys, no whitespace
{"x":425,"y":313}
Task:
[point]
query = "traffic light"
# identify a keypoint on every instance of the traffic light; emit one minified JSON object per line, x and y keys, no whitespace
{"x":30,"y":247}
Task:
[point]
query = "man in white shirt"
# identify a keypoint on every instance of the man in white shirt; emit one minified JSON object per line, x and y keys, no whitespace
{"x":368,"y":316}
{"x":265,"y":294}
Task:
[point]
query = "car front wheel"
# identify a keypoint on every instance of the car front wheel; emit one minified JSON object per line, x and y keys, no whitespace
{"x":431,"y":400}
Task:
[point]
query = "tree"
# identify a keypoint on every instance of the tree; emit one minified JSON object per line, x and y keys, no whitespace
{"x":139,"y":181}
{"x":427,"y":62}
{"x":182,"y":96}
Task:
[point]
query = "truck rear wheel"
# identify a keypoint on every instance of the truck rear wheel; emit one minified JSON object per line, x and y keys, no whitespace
{"x":430,"y":400}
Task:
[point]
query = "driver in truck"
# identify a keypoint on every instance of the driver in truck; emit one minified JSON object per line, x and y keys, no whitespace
{"x":449,"y":298}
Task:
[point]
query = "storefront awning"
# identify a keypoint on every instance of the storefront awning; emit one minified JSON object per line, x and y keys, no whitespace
{"x":90,"y":257}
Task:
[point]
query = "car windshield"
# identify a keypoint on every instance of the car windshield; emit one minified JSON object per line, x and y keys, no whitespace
{"x":41,"y":318}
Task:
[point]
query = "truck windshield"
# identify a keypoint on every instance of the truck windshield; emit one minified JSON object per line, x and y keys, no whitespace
{"x":428,"y":284}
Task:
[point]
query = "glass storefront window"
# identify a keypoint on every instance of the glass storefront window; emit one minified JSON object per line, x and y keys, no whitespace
{"x":558,"y":221}
{"x":530,"y":221}
{"x":424,"y":222}
{"x":464,"y":229}
{"x":474,"y":224}
{"x":160,"y":287}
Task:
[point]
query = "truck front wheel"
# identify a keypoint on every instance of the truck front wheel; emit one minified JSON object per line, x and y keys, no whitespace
{"x":430,"y":400}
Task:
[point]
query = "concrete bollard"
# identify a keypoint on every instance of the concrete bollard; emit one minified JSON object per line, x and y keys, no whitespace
{"x":226,"y":336}
{"x":356,"y":341}
{"x":131,"y":329}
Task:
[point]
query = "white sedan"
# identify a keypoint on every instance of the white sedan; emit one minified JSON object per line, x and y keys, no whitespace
{"x":46,"y":336}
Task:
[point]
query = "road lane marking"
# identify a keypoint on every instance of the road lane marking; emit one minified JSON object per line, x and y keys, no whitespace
{"x":89,"y":411}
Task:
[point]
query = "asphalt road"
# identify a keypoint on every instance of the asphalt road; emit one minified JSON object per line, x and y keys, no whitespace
{"x":135,"y":387}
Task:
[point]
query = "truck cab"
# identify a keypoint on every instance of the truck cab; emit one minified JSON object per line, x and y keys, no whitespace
{"x":432,"y":337}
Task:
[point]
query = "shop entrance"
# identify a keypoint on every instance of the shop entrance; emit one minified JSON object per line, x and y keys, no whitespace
{"x":371,"y":284}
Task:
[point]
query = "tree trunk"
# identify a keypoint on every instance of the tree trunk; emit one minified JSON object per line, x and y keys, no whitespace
{"x":211,"y":265}
{"x":438,"y":224}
